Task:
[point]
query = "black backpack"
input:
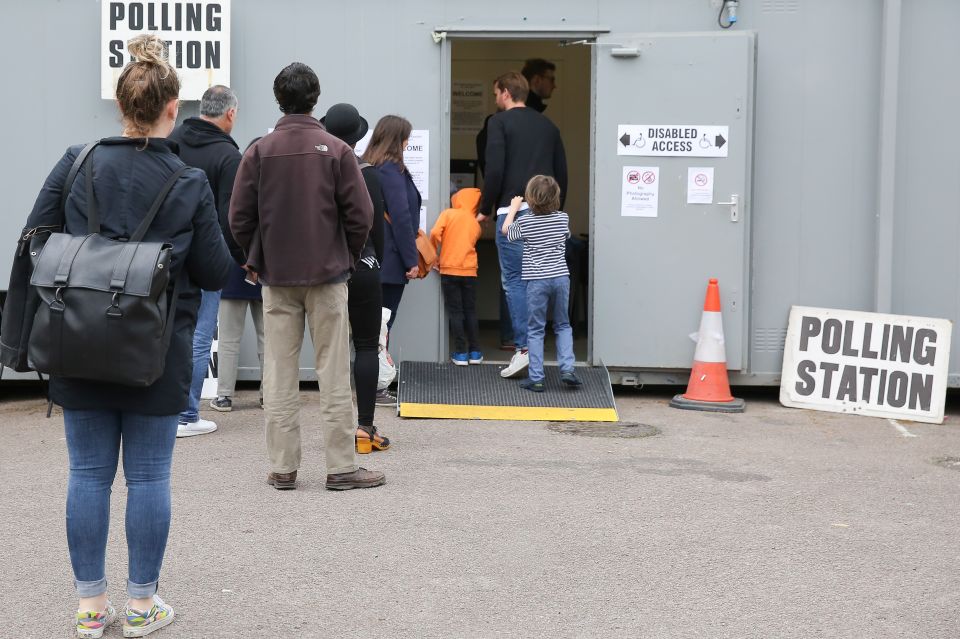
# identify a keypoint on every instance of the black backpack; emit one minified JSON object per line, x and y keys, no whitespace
{"x":104,"y":312}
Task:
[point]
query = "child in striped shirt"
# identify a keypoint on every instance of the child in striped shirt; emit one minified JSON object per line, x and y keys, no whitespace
{"x":544,"y":235}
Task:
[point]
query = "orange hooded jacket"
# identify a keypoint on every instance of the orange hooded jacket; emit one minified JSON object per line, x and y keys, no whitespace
{"x":457,"y":230}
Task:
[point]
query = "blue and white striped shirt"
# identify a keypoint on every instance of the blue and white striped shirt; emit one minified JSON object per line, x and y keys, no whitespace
{"x":544,"y":244}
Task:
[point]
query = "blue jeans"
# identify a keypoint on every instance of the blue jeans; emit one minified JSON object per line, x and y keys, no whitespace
{"x":202,"y":341}
{"x":93,"y":446}
{"x":511,"y":270}
{"x":551,"y":294}
{"x":506,"y":322}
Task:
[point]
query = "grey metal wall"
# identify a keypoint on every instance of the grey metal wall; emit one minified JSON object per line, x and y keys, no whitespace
{"x":818,"y":155}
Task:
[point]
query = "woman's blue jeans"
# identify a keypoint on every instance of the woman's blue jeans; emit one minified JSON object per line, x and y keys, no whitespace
{"x":93,"y":446}
{"x":202,"y":342}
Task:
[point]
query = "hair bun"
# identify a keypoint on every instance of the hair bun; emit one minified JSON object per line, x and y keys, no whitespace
{"x":148,"y":48}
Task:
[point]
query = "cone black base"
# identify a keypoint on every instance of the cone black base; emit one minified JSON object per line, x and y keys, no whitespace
{"x":734,"y":406}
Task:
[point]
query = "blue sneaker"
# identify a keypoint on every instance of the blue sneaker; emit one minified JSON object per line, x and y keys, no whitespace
{"x":530,"y":385}
{"x":460,"y":359}
{"x":476,"y":357}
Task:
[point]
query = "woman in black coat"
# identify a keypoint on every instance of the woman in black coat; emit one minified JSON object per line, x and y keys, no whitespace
{"x":128,"y":174}
{"x":365,"y":298}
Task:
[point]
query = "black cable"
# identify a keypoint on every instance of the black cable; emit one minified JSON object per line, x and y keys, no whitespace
{"x":723,"y":5}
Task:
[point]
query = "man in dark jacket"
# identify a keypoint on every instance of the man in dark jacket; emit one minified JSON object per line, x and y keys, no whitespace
{"x":205,"y":143}
{"x":521,"y":143}
{"x":541,"y":75}
{"x":301,"y":211}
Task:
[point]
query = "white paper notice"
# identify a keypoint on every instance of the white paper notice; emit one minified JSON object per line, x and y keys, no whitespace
{"x":417,"y":158}
{"x":363,"y":142}
{"x":423,"y":219}
{"x":641,"y":191}
{"x":467,"y":106}
{"x":700,"y":185}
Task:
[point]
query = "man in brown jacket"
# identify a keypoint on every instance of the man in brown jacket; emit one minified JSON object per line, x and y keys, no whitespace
{"x":301,"y":212}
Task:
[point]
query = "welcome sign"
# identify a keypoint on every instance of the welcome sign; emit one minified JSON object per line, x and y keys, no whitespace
{"x":891,"y":366}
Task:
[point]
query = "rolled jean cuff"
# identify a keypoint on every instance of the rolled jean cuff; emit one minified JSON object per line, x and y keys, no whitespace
{"x":141,"y":591}
{"x":90,"y":588}
{"x":340,"y":471}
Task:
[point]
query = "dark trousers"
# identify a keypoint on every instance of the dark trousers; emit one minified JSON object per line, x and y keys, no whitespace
{"x":392,"y":293}
{"x":460,"y":298}
{"x":364,"y":303}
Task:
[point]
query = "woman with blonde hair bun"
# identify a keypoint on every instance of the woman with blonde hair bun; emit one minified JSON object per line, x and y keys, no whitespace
{"x":128,"y":173}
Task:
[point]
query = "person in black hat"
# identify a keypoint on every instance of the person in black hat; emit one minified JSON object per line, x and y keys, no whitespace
{"x":365,"y":296}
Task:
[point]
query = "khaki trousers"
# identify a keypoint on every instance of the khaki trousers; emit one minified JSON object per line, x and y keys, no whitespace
{"x":233,"y":316}
{"x":325,"y":309}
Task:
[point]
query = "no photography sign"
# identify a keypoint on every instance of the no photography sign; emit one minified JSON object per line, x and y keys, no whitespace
{"x":892,"y":366}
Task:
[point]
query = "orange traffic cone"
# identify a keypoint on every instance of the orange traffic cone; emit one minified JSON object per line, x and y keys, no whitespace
{"x":709,"y":388}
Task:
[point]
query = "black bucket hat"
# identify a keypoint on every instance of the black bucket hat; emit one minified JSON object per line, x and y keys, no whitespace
{"x":344,"y":121}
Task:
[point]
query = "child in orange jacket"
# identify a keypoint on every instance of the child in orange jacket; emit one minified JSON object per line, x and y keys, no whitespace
{"x":457,"y":232}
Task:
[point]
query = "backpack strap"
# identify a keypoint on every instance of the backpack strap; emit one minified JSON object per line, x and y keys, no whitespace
{"x":93,"y":213}
{"x":72,"y":175}
{"x":157,"y":203}
{"x":172,"y":309}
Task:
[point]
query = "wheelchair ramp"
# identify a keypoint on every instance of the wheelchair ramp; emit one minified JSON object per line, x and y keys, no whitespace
{"x":447,"y":391}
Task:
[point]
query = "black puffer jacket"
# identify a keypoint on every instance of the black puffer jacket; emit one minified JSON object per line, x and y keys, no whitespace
{"x":127,"y":178}
{"x":206,"y":146}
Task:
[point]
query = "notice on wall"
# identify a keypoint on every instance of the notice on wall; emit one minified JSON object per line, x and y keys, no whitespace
{"x":700,"y":185}
{"x":197,"y":36}
{"x":892,"y":366}
{"x":680,"y":140}
{"x":416,"y":157}
{"x":363,"y":143}
{"x":423,"y":219}
{"x":640,"y":191}
{"x":210,"y":382}
{"x":467,"y":106}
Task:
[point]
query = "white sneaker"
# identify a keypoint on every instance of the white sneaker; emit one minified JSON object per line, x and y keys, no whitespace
{"x":140,"y":623}
{"x":518,"y":365}
{"x":200,"y":427}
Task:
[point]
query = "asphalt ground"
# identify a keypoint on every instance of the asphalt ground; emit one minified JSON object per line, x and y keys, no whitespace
{"x":773,"y":523}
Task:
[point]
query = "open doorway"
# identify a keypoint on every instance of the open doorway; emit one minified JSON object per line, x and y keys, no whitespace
{"x":474,"y":65}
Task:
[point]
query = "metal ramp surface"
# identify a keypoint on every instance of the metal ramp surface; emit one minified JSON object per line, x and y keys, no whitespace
{"x":447,"y":391}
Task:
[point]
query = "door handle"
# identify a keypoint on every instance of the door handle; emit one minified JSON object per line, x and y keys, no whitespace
{"x":734,"y":205}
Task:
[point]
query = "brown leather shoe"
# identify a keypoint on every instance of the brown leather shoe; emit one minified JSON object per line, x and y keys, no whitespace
{"x":283,"y":481}
{"x":360,"y":478}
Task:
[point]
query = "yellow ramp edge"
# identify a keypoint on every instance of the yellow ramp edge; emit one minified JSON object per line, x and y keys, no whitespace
{"x":508,"y":413}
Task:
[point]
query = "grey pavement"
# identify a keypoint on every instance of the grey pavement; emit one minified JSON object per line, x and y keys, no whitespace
{"x":773,"y":523}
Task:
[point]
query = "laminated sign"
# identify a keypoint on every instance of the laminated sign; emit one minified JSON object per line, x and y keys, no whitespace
{"x":892,"y":366}
{"x":197,"y":36}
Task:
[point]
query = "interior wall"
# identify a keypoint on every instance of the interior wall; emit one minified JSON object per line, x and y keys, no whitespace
{"x":481,"y":61}
{"x":568,"y":108}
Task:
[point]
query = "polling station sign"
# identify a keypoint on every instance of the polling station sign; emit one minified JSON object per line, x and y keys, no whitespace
{"x":197,"y":36}
{"x":892,"y":366}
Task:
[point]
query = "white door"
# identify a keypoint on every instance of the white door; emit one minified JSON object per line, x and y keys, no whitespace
{"x":674,"y":126}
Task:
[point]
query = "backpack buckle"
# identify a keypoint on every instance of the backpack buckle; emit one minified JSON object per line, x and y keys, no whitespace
{"x":114,"y":311}
{"x":57,"y":304}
